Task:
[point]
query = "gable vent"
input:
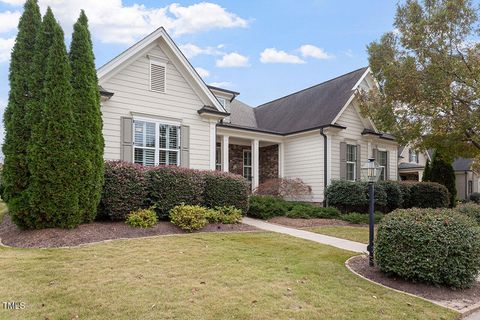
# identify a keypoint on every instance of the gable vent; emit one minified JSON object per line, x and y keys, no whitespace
{"x":157,"y":77}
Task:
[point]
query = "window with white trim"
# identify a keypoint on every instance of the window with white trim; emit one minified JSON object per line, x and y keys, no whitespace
{"x":247,"y":165}
{"x":222,"y":101}
{"x":156,"y":143}
{"x":351,"y":162}
{"x":413,"y":156}
{"x":158,"y":71}
{"x":382,"y":162}
{"x":218,"y":157}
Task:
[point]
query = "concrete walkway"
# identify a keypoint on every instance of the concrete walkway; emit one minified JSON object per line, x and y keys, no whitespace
{"x":320,"y":238}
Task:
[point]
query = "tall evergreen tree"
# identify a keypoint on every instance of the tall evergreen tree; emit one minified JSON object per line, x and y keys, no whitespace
{"x":88,"y":118}
{"x":17,"y":133}
{"x":427,"y":172}
{"x":54,"y":185}
{"x":443,"y":173}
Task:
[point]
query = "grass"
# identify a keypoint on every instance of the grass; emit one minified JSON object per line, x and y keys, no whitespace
{"x":199,"y":276}
{"x":358,"y":234}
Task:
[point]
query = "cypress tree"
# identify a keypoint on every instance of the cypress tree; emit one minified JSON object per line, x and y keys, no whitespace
{"x":443,"y":173}
{"x":54,"y":183}
{"x":427,"y":172}
{"x":88,"y":119}
{"x":17,"y":133}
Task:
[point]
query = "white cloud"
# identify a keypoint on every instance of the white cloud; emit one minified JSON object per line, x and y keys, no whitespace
{"x":14,"y":2}
{"x":308,"y":50}
{"x":272,"y":55}
{"x":202,"y":72}
{"x":9,"y":20}
{"x":232,"y":60}
{"x":6,"y":46}
{"x":222,"y":84}
{"x":112,"y":21}
{"x":190,"y":50}
{"x":349,"y":53}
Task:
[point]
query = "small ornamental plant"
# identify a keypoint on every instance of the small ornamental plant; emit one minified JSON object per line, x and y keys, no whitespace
{"x":188,"y":217}
{"x":142,"y":218}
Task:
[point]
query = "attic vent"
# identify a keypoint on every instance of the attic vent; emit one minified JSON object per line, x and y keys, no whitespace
{"x":157,"y":76}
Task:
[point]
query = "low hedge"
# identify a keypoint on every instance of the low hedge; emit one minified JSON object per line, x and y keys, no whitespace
{"x":171,"y":186}
{"x":437,"y":246}
{"x":224,"y":189}
{"x":475,"y":197}
{"x":124,"y":190}
{"x":129,"y":187}
{"x":470,"y":209}
{"x":351,"y":196}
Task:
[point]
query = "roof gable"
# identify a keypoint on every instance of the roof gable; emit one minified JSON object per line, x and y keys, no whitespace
{"x":159,"y":36}
{"x":310,"y":108}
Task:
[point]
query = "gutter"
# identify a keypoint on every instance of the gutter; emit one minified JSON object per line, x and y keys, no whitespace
{"x":325,"y":165}
{"x":466,"y":185}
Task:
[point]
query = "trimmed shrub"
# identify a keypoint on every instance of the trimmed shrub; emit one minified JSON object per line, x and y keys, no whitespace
{"x":224,"y":189}
{"x":437,"y":246}
{"x":406,"y":191}
{"x":360,"y":218}
{"x":352,"y":196}
{"x":470,"y":209}
{"x":394,"y":195}
{"x":288,"y":189}
{"x":225,"y":215}
{"x":124,"y":190}
{"x":429,"y":195}
{"x":188,"y":217}
{"x":308,"y":211}
{"x":475,"y":197}
{"x":142,"y":218}
{"x":266,"y":207}
{"x":171,"y":186}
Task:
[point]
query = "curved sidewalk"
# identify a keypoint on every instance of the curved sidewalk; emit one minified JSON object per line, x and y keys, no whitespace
{"x":307,"y":235}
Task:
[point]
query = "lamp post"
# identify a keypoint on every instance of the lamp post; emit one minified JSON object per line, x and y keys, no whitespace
{"x":371,"y":172}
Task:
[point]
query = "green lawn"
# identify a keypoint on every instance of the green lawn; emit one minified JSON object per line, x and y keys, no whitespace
{"x":359,"y":234}
{"x":199,"y":276}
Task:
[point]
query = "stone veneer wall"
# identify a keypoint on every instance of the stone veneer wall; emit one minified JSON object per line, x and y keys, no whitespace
{"x":268,"y":158}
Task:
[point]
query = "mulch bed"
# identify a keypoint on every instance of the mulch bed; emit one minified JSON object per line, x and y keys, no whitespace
{"x":456,"y":299}
{"x":10,"y":235}
{"x":306,"y":223}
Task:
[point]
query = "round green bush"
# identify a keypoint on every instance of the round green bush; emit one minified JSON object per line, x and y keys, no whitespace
{"x":429,"y":195}
{"x":352,"y":196}
{"x":142,"y":218}
{"x":266,"y":207}
{"x":475,"y":197}
{"x":437,"y":246}
{"x":225,"y":215}
{"x":470,"y":209}
{"x":223,"y":189}
{"x":188,"y":217}
{"x":394,"y":195}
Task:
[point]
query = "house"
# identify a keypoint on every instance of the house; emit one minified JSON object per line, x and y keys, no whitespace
{"x":467,"y":180}
{"x":158,"y":111}
{"x":411,"y":163}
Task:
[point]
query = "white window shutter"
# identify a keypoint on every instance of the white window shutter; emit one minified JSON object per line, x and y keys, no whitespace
{"x":157,"y":77}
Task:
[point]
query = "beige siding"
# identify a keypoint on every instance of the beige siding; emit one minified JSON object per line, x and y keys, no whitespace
{"x":304,"y":159}
{"x":461,"y":184}
{"x":132,"y":94}
{"x":353,"y":134}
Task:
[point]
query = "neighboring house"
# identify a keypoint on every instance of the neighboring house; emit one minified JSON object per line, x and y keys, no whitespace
{"x":467,"y":180}
{"x":158,"y":111}
{"x":411,"y":163}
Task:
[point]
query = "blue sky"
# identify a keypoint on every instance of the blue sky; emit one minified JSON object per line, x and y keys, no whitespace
{"x":303,"y":42}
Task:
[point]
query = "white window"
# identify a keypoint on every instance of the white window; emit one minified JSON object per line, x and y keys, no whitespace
{"x":351,"y":162}
{"x":218,"y":157}
{"x":158,"y":76}
{"x":222,"y":101}
{"x":413,"y":156}
{"x":156,"y":143}
{"x":382,"y":162}
{"x":247,"y":165}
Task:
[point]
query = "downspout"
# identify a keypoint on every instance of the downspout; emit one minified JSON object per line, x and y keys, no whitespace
{"x":325,"y":166}
{"x":466,"y":185}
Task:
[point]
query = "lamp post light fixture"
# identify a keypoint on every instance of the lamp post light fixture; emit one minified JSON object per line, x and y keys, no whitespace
{"x":371,"y":171}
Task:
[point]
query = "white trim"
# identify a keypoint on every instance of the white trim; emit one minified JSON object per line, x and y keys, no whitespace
{"x":352,"y":162}
{"x":225,"y":159}
{"x":213,"y":145}
{"x":114,"y":65}
{"x":249,"y":166}
{"x":368,"y":71}
{"x":329,"y":160}
{"x":255,"y":163}
{"x":281,"y":160}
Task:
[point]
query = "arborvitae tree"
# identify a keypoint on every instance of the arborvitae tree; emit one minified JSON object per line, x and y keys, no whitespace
{"x":54,"y":183}
{"x":17,"y":133}
{"x":442,"y":172}
{"x":88,"y":119}
{"x":427,"y":172}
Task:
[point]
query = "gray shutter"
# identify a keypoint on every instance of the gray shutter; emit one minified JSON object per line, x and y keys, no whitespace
{"x":359,"y":163}
{"x":387,"y":167}
{"x":185,"y":146}
{"x":126,"y":131}
{"x":343,"y":161}
{"x":375,"y":154}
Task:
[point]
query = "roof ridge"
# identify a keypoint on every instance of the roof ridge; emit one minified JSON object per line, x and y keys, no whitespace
{"x":315,"y":85}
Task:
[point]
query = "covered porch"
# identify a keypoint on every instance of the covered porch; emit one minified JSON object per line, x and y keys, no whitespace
{"x":257,"y":157}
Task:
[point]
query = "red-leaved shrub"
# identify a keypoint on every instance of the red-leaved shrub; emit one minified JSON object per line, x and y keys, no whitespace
{"x":290,"y":189}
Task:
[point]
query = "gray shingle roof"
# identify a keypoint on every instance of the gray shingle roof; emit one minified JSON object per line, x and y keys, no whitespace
{"x":242,"y":114}
{"x":406,"y":165}
{"x":309,"y":108}
{"x":462,"y":164}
